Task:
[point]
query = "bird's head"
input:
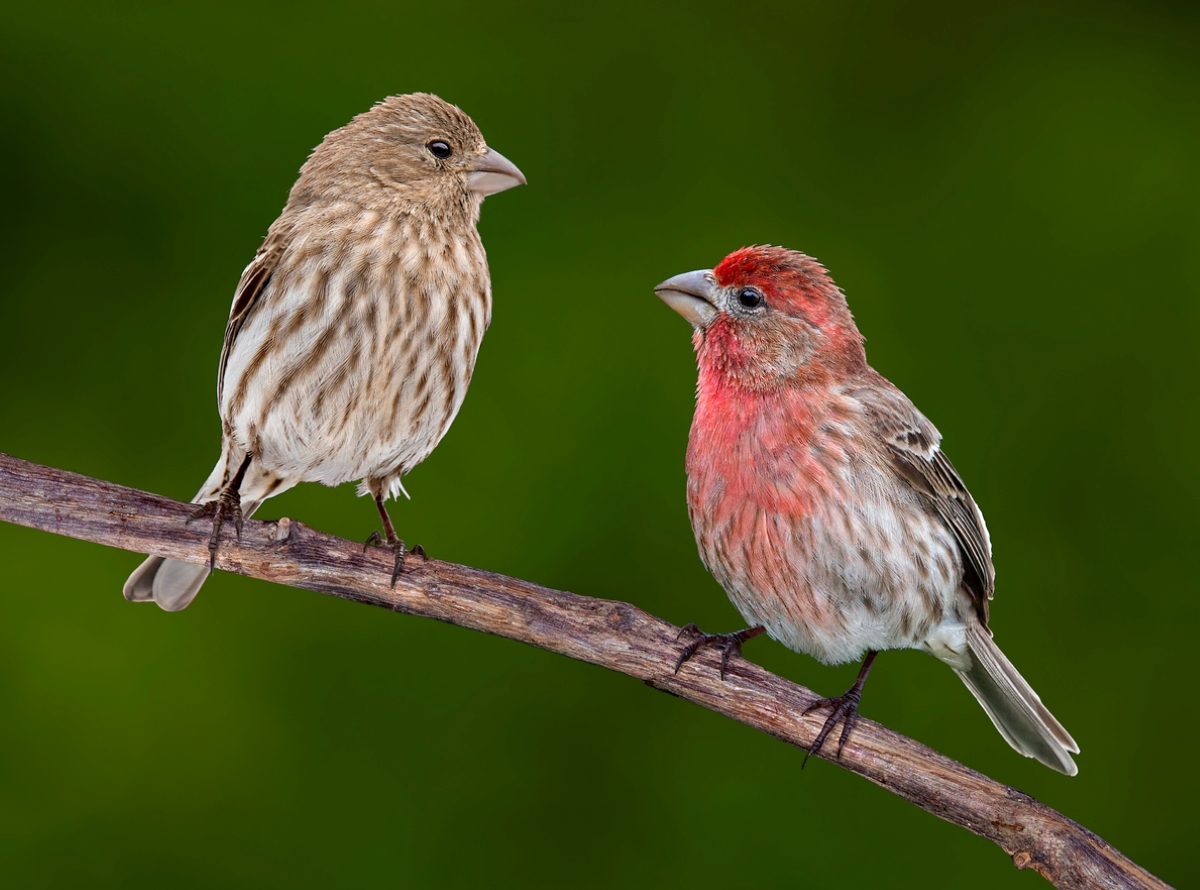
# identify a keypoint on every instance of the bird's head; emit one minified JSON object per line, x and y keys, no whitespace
{"x":411,"y":148}
{"x":766,"y":317}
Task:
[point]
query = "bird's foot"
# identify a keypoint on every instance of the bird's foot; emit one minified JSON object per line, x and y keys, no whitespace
{"x":397,"y":546}
{"x":226,"y":505}
{"x":844,"y":708}
{"x":729,"y":644}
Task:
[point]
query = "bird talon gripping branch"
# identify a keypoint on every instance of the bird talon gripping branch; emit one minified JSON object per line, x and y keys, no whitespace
{"x":392,"y":542}
{"x":729,"y":644}
{"x":844,"y":708}
{"x":821,"y":500}
{"x":354,"y":330}
{"x":227,"y":504}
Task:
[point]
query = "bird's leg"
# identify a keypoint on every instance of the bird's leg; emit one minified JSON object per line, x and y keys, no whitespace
{"x":729,"y":644}
{"x":845,"y":708}
{"x":392,"y":542}
{"x":228,"y":503}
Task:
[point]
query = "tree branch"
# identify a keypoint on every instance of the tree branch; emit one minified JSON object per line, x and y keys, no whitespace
{"x":612,"y":634}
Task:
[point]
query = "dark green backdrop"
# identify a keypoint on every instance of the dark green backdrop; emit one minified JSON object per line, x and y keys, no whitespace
{"x":1010,"y":200}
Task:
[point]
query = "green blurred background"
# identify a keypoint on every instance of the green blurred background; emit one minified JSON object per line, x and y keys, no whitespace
{"x":1009,"y":197}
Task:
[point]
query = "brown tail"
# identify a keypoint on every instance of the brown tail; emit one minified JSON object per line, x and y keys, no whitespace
{"x":1014,"y":707}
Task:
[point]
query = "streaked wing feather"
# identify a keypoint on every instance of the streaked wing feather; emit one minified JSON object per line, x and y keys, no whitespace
{"x":250,"y":288}
{"x":912,"y":443}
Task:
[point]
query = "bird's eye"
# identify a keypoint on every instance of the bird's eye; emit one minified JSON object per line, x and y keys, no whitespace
{"x":750,"y":297}
{"x":439,"y":149}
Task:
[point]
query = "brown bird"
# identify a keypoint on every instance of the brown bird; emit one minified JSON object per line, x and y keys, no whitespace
{"x":354,"y":330}
{"x":821,"y":499}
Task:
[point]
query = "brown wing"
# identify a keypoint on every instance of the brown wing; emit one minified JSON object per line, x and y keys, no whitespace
{"x":912,"y":443}
{"x":254,"y":281}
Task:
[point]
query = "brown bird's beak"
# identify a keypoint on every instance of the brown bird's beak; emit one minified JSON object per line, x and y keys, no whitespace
{"x":692,"y":295}
{"x":492,"y":172}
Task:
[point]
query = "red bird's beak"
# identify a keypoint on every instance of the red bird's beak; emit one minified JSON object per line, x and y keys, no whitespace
{"x":692,"y":294}
{"x":492,"y":172}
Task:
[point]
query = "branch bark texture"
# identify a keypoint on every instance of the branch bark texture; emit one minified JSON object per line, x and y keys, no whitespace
{"x":611,"y":634}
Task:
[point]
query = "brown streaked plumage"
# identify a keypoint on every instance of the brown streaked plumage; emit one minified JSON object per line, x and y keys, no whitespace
{"x":354,"y":330}
{"x":822,"y":502}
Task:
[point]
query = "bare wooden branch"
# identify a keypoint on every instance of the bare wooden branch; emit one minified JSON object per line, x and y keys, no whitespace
{"x":612,"y":634}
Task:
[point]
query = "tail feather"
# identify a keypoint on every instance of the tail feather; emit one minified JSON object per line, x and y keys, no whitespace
{"x":170,"y":583}
{"x":1014,"y":707}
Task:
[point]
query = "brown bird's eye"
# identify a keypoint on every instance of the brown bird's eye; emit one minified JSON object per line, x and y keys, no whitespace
{"x":439,"y":149}
{"x":750,"y":297}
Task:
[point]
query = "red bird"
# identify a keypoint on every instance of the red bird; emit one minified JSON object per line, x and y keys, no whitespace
{"x":822,"y":502}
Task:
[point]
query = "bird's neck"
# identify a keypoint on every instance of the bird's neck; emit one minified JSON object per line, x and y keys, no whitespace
{"x":766,"y":446}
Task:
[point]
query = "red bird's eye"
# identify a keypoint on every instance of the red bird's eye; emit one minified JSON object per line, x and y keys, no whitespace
{"x":439,"y":149}
{"x":750,"y":297}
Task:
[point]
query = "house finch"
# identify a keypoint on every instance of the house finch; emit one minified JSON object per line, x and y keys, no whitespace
{"x":354,"y":330}
{"x":822,"y":503}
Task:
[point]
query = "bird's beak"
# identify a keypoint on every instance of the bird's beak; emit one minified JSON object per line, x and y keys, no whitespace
{"x":492,"y":172}
{"x":692,"y":295}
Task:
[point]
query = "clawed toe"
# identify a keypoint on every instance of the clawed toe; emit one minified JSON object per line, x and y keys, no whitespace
{"x":844,"y":708}
{"x":226,"y":505}
{"x":208,"y":508}
{"x":391,"y":541}
{"x":729,"y":644}
{"x":376,"y":540}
